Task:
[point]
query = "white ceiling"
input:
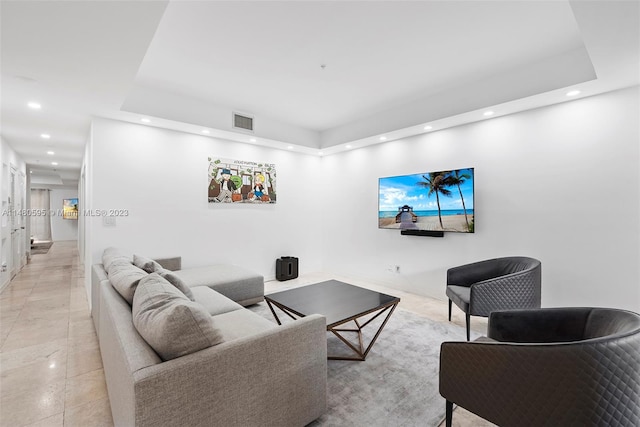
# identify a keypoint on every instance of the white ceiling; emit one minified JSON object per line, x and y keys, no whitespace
{"x":267,"y":57}
{"x":390,"y":67}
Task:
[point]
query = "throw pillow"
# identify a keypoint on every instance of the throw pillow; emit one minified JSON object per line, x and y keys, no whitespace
{"x":171,"y":324}
{"x":148,"y":265}
{"x":124,"y":277}
{"x":177,"y":282}
{"x":114,"y":254}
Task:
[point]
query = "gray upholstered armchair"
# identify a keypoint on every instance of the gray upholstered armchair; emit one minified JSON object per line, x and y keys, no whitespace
{"x":553,"y":366}
{"x":507,"y":283}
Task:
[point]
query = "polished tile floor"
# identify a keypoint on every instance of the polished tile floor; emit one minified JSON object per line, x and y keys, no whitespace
{"x":50,"y":366}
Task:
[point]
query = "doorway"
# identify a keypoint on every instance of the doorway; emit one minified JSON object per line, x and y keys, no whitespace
{"x":18,"y":225}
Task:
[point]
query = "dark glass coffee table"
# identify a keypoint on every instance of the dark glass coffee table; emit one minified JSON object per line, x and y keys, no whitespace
{"x":340,"y":303}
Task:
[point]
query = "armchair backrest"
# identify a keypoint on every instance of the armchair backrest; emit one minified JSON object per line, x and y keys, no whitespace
{"x":511,"y":265}
{"x":466,"y":275}
{"x":562,"y":324}
{"x":589,"y":381}
{"x":603,"y":322}
{"x":516,"y":285}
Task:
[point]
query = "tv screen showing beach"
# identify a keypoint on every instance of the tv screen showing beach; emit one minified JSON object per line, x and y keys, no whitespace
{"x":434,"y":201}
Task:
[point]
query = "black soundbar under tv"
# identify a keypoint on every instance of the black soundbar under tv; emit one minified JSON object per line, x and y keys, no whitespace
{"x":428,"y":233}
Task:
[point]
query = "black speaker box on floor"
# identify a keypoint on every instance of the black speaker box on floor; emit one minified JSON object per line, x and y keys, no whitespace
{"x":286,"y":268}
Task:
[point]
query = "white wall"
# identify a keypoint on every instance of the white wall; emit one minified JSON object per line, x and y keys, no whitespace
{"x":85,"y":223}
{"x":160,"y":177}
{"x":560,"y":184}
{"x":12,"y":248}
{"x":62,"y":229}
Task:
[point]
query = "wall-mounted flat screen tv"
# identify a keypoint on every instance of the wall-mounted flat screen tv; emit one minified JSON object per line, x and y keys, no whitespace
{"x":70,"y":208}
{"x":433,"y":201}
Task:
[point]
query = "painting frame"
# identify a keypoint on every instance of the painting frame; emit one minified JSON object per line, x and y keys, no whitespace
{"x":241,"y":181}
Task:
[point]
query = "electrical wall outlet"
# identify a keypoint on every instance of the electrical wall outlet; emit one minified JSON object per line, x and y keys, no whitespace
{"x":109,"y":220}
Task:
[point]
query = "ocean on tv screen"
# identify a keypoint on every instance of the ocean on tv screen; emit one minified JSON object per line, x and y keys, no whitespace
{"x":392,"y":214}
{"x":435,"y":201}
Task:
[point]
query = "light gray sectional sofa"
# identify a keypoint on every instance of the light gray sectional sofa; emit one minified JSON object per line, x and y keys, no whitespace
{"x":178,"y":348}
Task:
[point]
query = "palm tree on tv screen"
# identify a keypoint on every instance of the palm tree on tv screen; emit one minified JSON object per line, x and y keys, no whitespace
{"x":456,"y":178}
{"x":436,"y":182}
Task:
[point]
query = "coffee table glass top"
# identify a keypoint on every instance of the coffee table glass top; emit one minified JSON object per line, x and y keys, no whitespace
{"x":335,"y":300}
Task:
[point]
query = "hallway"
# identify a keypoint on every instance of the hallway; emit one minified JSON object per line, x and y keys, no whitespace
{"x":50,"y":365}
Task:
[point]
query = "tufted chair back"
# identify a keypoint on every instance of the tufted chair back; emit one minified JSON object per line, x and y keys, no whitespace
{"x":554,"y":366}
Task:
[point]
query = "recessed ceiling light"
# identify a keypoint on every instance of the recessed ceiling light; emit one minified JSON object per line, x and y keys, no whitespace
{"x":488,"y":113}
{"x":45,"y":136}
{"x":320,"y":153}
{"x":347,"y":146}
{"x":428,"y":128}
{"x":252,"y":140}
{"x":383,"y":138}
{"x":573,"y":93}
{"x":145,"y":120}
{"x":205,"y":131}
{"x":54,"y":163}
{"x":290,"y":147}
{"x":34,"y":105}
{"x":30,"y":171}
{"x":51,"y":153}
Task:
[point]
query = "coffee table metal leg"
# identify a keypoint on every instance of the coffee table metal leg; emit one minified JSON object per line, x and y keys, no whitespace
{"x":356,"y":350}
{"x":361,"y":352}
{"x":273,"y":311}
{"x":285,"y":310}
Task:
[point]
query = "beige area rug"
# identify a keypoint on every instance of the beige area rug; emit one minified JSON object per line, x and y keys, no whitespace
{"x":398,"y":383}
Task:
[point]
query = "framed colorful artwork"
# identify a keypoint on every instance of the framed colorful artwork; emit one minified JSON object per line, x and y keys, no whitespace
{"x":241,"y":181}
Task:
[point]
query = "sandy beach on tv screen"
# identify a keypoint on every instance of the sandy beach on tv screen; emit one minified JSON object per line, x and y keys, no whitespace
{"x":449,"y":222}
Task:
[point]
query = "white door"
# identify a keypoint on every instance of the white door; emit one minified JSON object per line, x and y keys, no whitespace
{"x":16,"y":204}
{"x":22,"y":219}
{"x":15,"y":236}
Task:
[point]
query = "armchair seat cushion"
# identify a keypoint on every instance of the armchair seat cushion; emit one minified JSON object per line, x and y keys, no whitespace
{"x":460,"y":295}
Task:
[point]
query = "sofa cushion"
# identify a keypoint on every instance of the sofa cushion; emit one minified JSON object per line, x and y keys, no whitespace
{"x":232,"y":281}
{"x":177,"y":282}
{"x":124,"y":277}
{"x":241,"y":323}
{"x":114,"y":254}
{"x":169,"y":322}
{"x":147,"y":264}
{"x":212,"y":301}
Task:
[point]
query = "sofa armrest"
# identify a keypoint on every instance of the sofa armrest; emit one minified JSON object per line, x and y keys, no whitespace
{"x":539,"y":325}
{"x":98,"y":277}
{"x":172,"y":263}
{"x":277,"y":377}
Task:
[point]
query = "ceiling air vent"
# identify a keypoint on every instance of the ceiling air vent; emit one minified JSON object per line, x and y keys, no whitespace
{"x":243,"y":121}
